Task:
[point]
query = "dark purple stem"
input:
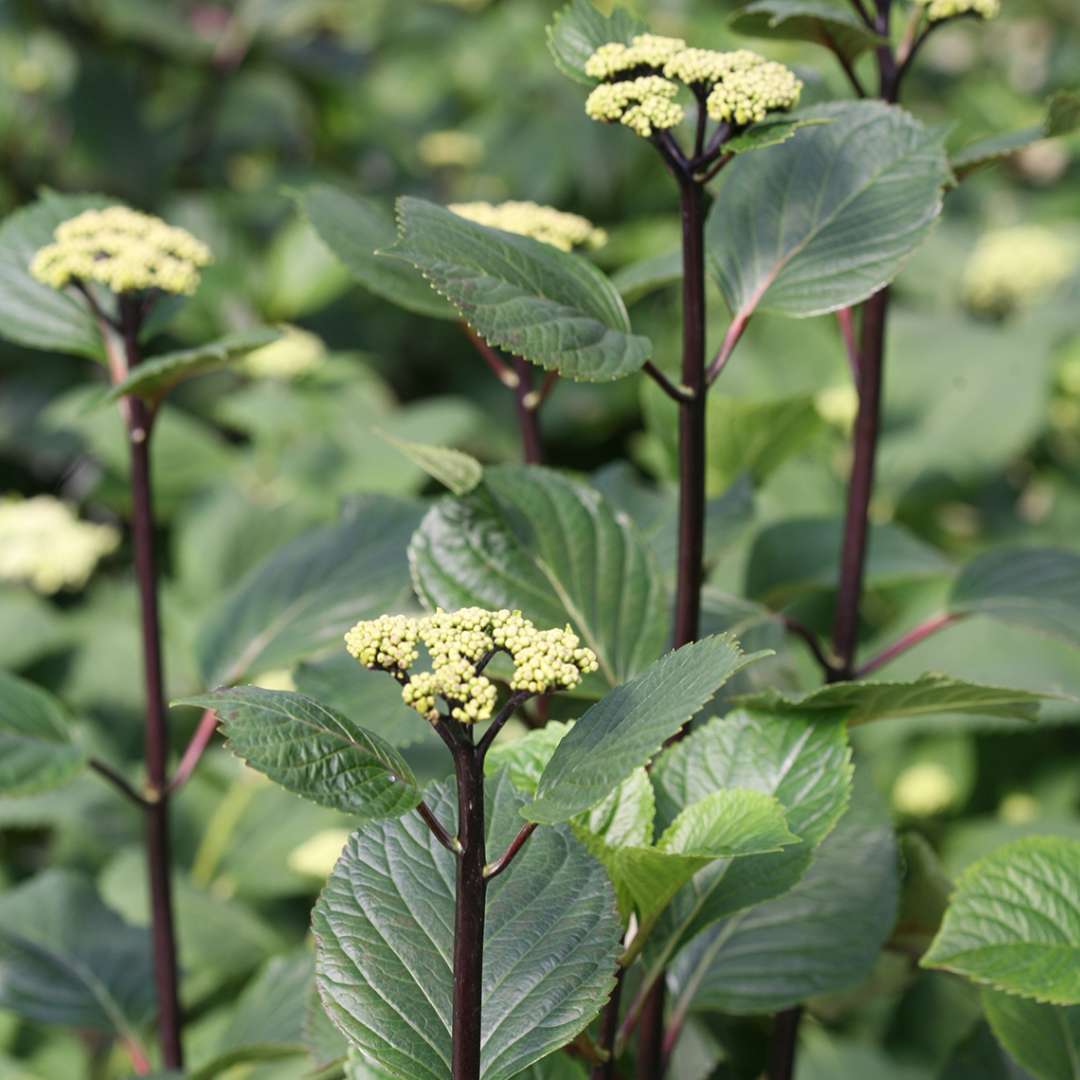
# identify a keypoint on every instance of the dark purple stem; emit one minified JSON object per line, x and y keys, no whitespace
{"x":437,"y":830}
{"x":528,"y":413}
{"x":507,"y":857}
{"x":609,"y":1029}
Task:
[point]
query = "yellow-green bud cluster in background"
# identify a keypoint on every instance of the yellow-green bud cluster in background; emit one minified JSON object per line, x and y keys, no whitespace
{"x":1012,"y":268}
{"x":124,"y":250}
{"x":43,"y":543}
{"x":936,"y":10}
{"x":543,"y":223}
{"x":640,"y":82}
{"x":457,"y":642}
{"x":297,"y":352}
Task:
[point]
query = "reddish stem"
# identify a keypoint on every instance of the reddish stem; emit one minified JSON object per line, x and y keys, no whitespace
{"x":204,"y":732}
{"x":909,"y":640}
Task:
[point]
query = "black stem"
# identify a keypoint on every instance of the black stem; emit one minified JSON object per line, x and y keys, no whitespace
{"x":114,"y":778}
{"x":609,"y":1028}
{"x":436,"y":828}
{"x":784,"y":1041}
{"x":513,"y":703}
{"x":813,"y":643}
{"x":844,"y":61}
{"x":528,"y":414}
{"x":674,"y":392}
{"x":140,"y":422}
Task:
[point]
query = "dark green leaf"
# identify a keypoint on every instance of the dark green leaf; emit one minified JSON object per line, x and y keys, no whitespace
{"x":36,"y":748}
{"x":1044,"y":1039}
{"x":535,"y":540}
{"x":313,"y":751}
{"x":384,"y":933}
{"x":301,"y":601}
{"x":828,"y":24}
{"x":827,"y":219}
{"x":579,"y":29}
{"x":647,"y":275}
{"x":456,"y":471}
{"x":548,"y":306}
{"x":354,"y":228}
{"x":624,"y":730}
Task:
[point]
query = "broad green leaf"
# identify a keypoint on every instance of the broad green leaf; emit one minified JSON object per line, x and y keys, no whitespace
{"x":532,"y":539}
{"x":314,"y":751}
{"x":1062,"y":118}
{"x":1014,"y":921}
{"x":271,"y":1009}
{"x":821,"y":936}
{"x":1044,"y":1039}
{"x":526,"y":758}
{"x":579,"y":29}
{"x":36,"y":747}
{"x":384,"y":934}
{"x":624,"y":730}
{"x":354,"y":228}
{"x":978,"y":1057}
{"x":770,"y":132}
{"x":803,"y":764}
{"x":647,"y":275}
{"x":67,"y":959}
{"x":300,"y":601}
{"x":551,"y":307}
{"x":932,"y":693}
{"x":251,"y":1055}
{"x":1034,"y":587}
{"x":802,"y":555}
{"x":34,"y":314}
{"x":827,"y":219}
{"x":828,"y":24}
{"x":155,"y":377}
{"x":457,"y":471}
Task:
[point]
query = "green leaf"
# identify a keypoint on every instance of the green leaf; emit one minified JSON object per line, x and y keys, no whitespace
{"x":625,"y":729}
{"x":455,"y":470}
{"x":826,"y":220}
{"x":1014,"y":921}
{"x":354,"y":228}
{"x":1044,"y":1039}
{"x":34,"y":314}
{"x":384,"y":936}
{"x":300,"y":601}
{"x":551,"y":307}
{"x":67,"y":959}
{"x":825,"y":23}
{"x":36,"y":748}
{"x":820,"y":937}
{"x":803,"y":764}
{"x":532,"y":539}
{"x":155,"y":377}
{"x":645,"y":276}
{"x":770,"y":132}
{"x":272,"y":1007}
{"x":1034,"y":587}
{"x":313,"y":751}
{"x":802,"y":555}
{"x":579,"y":29}
{"x":861,"y":702}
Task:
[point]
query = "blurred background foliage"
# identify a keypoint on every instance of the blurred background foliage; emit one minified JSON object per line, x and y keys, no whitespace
{"x":212,"y":115}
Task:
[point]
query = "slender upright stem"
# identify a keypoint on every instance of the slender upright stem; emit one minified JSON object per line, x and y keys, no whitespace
{"x":139,"y":423}
{"x":860,"y":485}
{"x":528,"y":413}
{"x":784,"y":1041}
{"x":469,"y":914}
{"x":609,"y":1028}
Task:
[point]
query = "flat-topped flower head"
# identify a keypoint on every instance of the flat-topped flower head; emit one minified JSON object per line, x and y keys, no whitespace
{"x":43,"y":543}
{"x":124,"y":250}
{"x":751,"y":88}
{"x":936,"y":10}
{"x":646,"y":53}
{"x":460,"y":644}
{"x":644,"y":105}
{"x":544,"y":223}
{"x":1012,"y":268}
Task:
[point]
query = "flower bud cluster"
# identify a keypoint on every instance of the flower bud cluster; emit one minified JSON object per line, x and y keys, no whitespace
{"x":459,"y":644}
{"x":936,"y":10}
{"x":1012,"y":268}
{"x":543,"y":223}
{"x":641,"y":80}
{"x":43,"y":543}
{"x":124,"y":250}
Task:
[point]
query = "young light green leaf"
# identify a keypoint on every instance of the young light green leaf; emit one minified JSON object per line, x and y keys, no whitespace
{"x":827,"y":219}
{"x":67,"y":959}
{"x":1044,"y":1039}
{"x":1014,"y":921}
{"x":770,"y":132}
{"x":532,"y":539}
{"x":807,"y":20}
{"x":155,"y":377}
{"x":579,"y":29}
{"x":551,"y":307}
{"x":625,"y":729}
{"x":455,"y":470}
{"x":354,"y":229}
{"x":34,"y":314}
{"x":1034,"y":587}
{"x":821,"y":936}
{"x":384,"y":942}
{"x":299,"y":602}
{"x":313,"y":751}
{"x":36,"y":748}
{"x":930,"y":694}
